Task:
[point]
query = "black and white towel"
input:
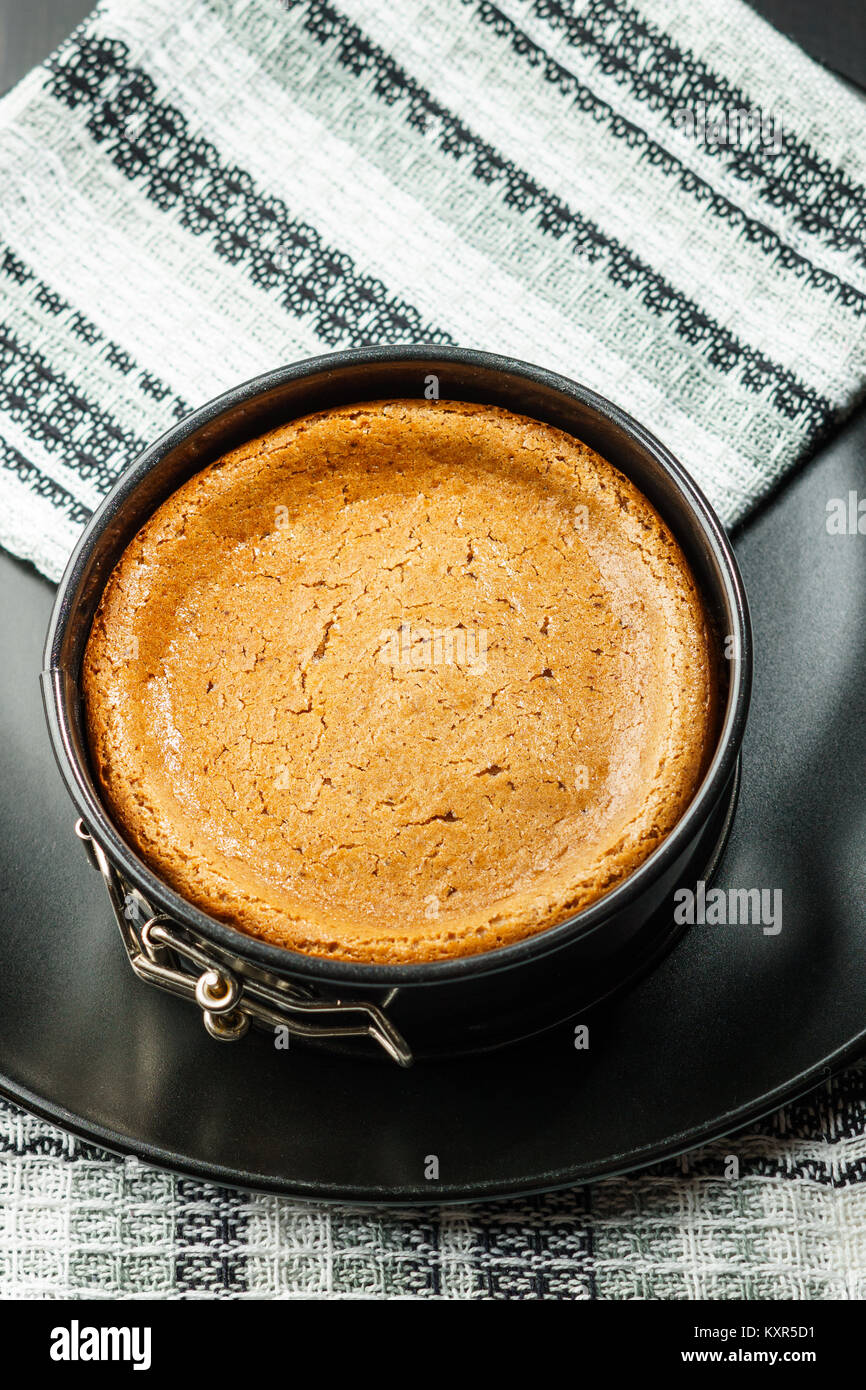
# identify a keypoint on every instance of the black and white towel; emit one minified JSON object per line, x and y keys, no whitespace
{"x":664,"y":199}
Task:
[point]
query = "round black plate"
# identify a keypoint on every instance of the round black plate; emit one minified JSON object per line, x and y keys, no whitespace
{"x":732,"y":1023}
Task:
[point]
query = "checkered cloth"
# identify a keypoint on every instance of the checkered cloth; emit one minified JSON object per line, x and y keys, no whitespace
{"x":77,"y":1223}
{"x":664,"y":200}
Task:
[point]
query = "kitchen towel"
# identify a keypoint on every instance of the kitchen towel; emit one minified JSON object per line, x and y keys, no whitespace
{"x":78,"y":1223}
{"x":665,"y":201}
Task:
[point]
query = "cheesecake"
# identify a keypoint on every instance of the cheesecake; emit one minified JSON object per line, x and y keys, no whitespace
{"x":401,"y":682}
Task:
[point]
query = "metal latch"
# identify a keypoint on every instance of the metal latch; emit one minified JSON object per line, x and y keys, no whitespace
{"x":159,"y":948}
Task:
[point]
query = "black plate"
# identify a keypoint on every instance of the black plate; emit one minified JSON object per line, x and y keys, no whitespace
{"x":732,"y":1023}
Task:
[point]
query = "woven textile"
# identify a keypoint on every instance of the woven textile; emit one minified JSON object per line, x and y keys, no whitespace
{"x":664,"y":200}
{"x":75,"y":1222}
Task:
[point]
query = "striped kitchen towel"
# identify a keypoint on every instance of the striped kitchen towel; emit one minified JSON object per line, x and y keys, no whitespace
{"x":664,"y":200}
{"x":76,"y":1222}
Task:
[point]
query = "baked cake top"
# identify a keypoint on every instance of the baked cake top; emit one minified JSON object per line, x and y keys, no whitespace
{"x":400,"y":681}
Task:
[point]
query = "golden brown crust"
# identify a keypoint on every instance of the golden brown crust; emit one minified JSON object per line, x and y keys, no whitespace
{"x":400,"y":682}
